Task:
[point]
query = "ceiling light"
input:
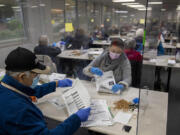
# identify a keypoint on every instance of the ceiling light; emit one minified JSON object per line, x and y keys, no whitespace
{"x":144,"y":9}
{"x":124,"y":16}
{"x":154,"y":3}
{"x":163,"y":9}
{"x":123,"y":12}
{"x":42,"y":5}
{"x":2,"y":5}
{"x":67,"y":4}
{"x":136,"y":6}
{"x":16,"y":7}
{"x":33,"y":6}
{"x":130,"y":3}
{"x":123,"y":0}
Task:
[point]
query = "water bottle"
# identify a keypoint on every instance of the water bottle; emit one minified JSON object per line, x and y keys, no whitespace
{"x":81,"y":51}
{"x":62,"y":45}
{"x":178,"y":56}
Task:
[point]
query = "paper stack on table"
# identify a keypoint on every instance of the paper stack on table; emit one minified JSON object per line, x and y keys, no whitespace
{"x":52,"y":77}
{"x":77,"y":97}
{"x":122,"y":117}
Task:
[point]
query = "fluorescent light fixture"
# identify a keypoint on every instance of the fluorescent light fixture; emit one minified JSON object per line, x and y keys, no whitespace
{"x":155,"y":3}
{"x":2,"y":5}
{"x":42,"y":5}
{"x":124,"y":16}
{"x":33,"y":6}
{"x":123,"y":12}
{"x":123,"y":0}
{"x":163,"y":9}
{"x":132,"y":15}
{"x":130,"y":3}
{"x":144,"y":9}
{"x":136,"y":6}
{"x":16,"y":7}
{"x":67,"y":4}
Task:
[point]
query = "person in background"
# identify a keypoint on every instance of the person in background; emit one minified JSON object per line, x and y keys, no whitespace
{"x":130,"y":51}
{"x":19,"y":116}
{"x":139,"y":40}
{"x":135,"y":59}
{"x":44,"y":49}
{"x":80,"y":40}
{"x":114,"y":59}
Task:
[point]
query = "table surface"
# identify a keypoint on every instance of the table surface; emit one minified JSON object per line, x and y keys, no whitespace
{"x":154,"y":116}
{"x":68,"y":54}
{"x":162,"y":61}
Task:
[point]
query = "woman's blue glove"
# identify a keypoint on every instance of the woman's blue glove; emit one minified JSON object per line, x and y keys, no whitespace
{"x":96,"y":71}
{"x":65,"y":83}
{"x":83,"y":114}
{"x":117,"y":87}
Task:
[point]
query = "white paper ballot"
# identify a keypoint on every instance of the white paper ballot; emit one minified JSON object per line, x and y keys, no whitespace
{"x":100,"y":115}
{"x":52,"y":77}
{"x":122,"y":117}
{"x":76,"y":97}
{"x":105,"y":82}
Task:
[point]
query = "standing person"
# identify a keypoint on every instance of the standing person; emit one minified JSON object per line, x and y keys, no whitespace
{"x":114,"y":59}
{"x":19,"y":116}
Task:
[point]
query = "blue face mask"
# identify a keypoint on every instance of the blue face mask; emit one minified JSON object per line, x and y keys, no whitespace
{"x":35,"y":82}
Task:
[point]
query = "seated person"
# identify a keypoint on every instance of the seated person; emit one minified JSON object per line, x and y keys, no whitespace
{"x":139,"y":40}
{"x":135,"y":59}
{"x":114,"y":59}
{"x":19,"y":116}
{"x":44,"y":49}
{"x":130,"y":51}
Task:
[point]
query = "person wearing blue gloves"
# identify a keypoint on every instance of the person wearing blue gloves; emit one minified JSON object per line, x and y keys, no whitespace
{"x":114,"y":59}
{"x":19,"y":116}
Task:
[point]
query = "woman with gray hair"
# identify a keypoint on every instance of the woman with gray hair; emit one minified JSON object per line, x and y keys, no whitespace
{"x":130,"y":51}
{"x":135,"y":59}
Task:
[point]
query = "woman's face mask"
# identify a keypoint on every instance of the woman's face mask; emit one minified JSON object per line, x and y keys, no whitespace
{"x":114,"y":55}
{"x":35,"y":82}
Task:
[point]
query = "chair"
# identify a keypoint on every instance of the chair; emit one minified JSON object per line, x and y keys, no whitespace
{"x":46,"y":60}
{"x":136,"y":73}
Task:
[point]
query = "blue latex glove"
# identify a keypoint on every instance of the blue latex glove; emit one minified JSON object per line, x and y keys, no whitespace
{"x":65,"y":83}
{"x":136,"y":100}
{"x":117,"y":87}
{"x":83,"y":114}
{"x":96,"y":71}
{"x":54,"y":44}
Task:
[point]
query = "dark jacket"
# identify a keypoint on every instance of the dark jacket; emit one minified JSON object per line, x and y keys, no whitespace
{"x":19,"y":116}
{"x":47,"y":50}
{"x":80,"y":40}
